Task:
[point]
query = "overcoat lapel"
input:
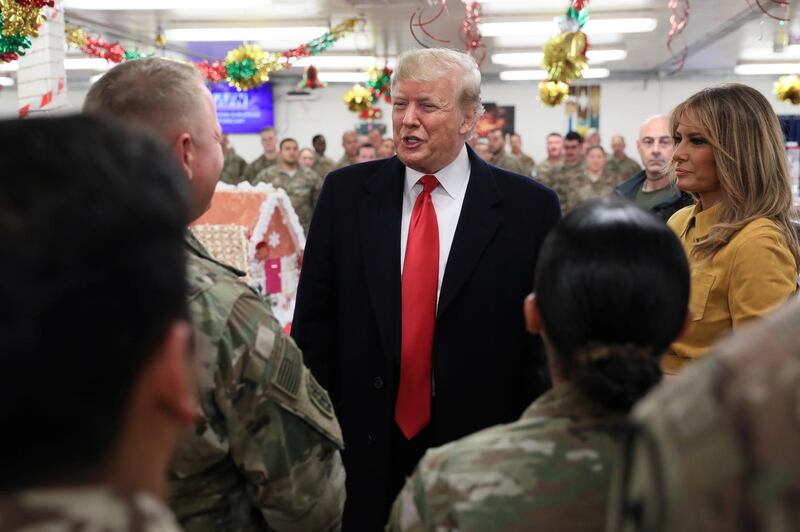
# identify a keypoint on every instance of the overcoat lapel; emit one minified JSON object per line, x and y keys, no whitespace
{"x":477,"y":224}
{"x":379,"y":216}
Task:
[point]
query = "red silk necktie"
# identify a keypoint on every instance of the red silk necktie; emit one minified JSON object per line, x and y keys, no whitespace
{"x":420,"y":280}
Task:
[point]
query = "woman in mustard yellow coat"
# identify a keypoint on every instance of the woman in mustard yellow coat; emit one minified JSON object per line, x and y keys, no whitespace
{"x":742,"y":248}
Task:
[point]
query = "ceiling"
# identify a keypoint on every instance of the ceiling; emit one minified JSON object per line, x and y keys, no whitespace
{"x":719,"y":34}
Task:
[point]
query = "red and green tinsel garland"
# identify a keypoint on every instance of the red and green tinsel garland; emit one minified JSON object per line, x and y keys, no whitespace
{"x":245,"y":68}
{"x":19,"y":21}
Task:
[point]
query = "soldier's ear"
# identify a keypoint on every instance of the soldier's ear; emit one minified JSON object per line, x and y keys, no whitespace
{"x":183,"y":148}
{"x":533,"y":318}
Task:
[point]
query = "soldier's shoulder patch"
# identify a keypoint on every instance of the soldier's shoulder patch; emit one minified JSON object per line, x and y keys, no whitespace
{"x":319,"y":397}
{"x":288,"y":370}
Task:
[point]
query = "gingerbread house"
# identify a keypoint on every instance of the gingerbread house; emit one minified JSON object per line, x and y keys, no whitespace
{"x":273,"y":244}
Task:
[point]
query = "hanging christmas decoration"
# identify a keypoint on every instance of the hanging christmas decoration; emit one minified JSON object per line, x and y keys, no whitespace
{"x":161,"y":40}
{"x":22,"y":17}
{"x":320,"y":44}
{"x":358,"y":99}
{"x":213,"y":71}
{"x":787,"y":88}
{"x":565,"y":56}
{"x":552,"y":93}
{"x":471,"y":33}
{"x":311,"y":79}
{"x":416,"y":22}
{"x":245,"y":67}
{"x":380,"y":81}
{"x":373,"y":113}
{"x":678,"y":19}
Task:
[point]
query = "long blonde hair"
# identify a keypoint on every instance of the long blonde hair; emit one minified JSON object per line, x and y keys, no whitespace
{"x":750,"y":157}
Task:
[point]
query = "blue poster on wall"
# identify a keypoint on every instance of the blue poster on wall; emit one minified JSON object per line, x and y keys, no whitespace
{"x":246,"y":111}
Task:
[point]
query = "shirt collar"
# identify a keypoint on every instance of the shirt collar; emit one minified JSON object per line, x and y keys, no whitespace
{"x":703,"y":220}
{"x":452,"y":178}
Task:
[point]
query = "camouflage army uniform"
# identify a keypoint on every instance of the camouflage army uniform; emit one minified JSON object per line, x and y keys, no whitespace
{"x":542,"y":171}
{"x":547,"y":471}
{"x":624,"y":169}
{"x":233,"y":168}
{"x":507,"y":162}
{"x":257,"y":166}
{"x":344,"y":161}
{"x":718,"y":448}
{"x":266,"y":455}
{"x":98,"y":509}
{"x":322,"y":166}
{"x":527,"y":163}
{"x":302,"y":188}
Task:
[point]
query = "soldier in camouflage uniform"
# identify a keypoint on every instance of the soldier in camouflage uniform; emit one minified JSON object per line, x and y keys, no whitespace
{"x":266,"y":453}
{"x":500,"y":158}
{"x":550,"y":470}
{"x":350,"y":145}
{"x":619,"y":163}
{"x":555,"y":158}
{"x":97,"y":268}
{"x":323,"y":165}
{"x":525,"y":160}
{"x":234,"y":166}
{"x":595,"y":182}
{"x":106,"y":510}
{"x":565,"y":178}
{"x":301,"y":184}
{"x":717,"y":448}
{"x":269,"y":141}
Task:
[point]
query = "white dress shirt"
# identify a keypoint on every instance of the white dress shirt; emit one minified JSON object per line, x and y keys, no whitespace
{"x":447,"y":198}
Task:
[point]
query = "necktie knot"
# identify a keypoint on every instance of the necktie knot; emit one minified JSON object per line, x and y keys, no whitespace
{"x":429,"y":182}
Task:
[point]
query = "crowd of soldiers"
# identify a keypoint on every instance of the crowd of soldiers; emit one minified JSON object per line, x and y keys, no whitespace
{"x":574,"y":168}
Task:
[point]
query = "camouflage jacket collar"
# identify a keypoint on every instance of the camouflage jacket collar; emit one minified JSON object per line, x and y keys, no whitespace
{"x":567,"y":399}
{"x":85,"y":508}
{"x":195,"y":247}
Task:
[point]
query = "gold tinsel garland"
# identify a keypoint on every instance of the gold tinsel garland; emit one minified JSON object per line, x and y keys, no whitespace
{"x":565,"y":56}
{"x":787,"y":88}
{"x":21,"y":19}
{"x":358,"y":99}
{"x":552,"y":93}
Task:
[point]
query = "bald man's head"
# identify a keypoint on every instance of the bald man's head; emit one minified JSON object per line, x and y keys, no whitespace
{"x":655,"y":145}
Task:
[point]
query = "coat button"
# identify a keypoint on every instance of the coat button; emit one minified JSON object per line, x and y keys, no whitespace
{"x":369,"y":440}
{"x":377,"y":382}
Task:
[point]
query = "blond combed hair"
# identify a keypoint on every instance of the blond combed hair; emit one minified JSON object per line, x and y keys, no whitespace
{"x":750,"y":158}
{"x":161,"y":95}
{"x":431,"y":64}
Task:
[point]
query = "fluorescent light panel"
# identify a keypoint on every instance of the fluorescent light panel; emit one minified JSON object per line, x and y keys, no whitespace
{"x":533,"y":75}
{"x":70,"y":63}
{"x":343,"y":77}
{"x":755,"y":69}
{"x":5,"y":81}
{"x":277,"y":33}
{"x":116,"y":5}
{"x":550,"y":27}
{"x":535,"y":58}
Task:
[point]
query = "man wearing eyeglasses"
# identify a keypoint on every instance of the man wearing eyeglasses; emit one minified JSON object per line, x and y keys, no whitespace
{"x":653,"y":188}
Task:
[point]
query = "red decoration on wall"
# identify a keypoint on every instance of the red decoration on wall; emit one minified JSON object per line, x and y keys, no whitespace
{"x":24,"y":111}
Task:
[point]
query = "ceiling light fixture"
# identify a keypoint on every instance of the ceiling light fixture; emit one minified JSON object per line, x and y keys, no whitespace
{"x":533,"y":75}
{"x":520,"y":59}
{"x":153,"y":5}
{"x":550,"y":27}
{"x":5,"y":81}
{"x":343,"y":77}
{"x":755,"y":69}
{"x":276,"y":33}
{"x":70,"y":63}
